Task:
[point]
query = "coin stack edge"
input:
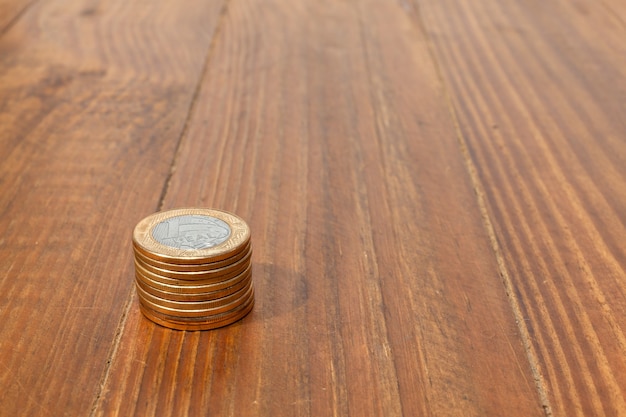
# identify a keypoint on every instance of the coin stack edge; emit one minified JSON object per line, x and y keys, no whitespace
{"x":193,"y":268}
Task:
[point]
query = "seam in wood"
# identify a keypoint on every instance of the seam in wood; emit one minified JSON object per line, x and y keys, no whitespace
{"x":114,"y":349}
{"x":531,"y":355}
{"x":212,"y":45}
{"x":16,"y":18}
{"x":129,"y":299}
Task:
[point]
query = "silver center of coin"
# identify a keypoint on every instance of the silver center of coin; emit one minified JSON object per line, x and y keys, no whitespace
{"x":191,"y":231}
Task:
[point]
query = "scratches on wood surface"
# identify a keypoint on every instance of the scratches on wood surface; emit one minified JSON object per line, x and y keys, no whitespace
{"x":435,"y":190}
{"x":543,"y":134}
{"x":86,"y":116}
{"x":349,"y":181}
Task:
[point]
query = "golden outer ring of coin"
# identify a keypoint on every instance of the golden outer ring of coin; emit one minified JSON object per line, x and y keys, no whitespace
{"x":209,"y":325}
{"x":200,"y":312}
{"x":192,"y":267}
{"x":194,"y":289}
{"x":204,"y":319}
{"x":198,"y":275}
{"x":189,"y":283}
{"x":203,"y":296}
{"x":150,"y":247}
{"x":179,"y":281}
{"x":194,"y":305}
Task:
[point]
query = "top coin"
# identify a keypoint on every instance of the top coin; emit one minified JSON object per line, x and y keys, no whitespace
{"x":191,"y":235}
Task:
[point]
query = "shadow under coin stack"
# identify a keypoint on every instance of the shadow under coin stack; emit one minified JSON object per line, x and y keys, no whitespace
{"x":193,"y":269}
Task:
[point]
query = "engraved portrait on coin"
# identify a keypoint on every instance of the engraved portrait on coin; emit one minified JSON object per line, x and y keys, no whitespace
{"x":191,"y":232}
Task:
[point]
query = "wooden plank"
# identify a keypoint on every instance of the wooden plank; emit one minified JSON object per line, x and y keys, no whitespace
{"x":538,"y":89}
{"x":93,"y":100}
{"x":323,"y":124}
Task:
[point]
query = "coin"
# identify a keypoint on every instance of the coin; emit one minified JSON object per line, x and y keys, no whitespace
{"x":186,"y":296}
{"x":194,"y":305}
{"x":203,"y":287}
{"x":172,"y":320}
{"x":192,"y":267}
{"x":196,"y":282}
{"x":228,"y":270}
{"x":196,"y":312}
{"x":225,"y":320}
{"x":202,"y":319}
{"x":191,"y":236}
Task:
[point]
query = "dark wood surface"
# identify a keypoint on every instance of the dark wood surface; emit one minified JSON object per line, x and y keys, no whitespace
{"x":436,"y":193}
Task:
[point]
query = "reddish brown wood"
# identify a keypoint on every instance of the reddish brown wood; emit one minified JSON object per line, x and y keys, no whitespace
{"x":324,"y":125}
{"x":538,"y":88}
{"x":93,"y":99}
{"x":435,"y":190}
{"x":10,"y":11}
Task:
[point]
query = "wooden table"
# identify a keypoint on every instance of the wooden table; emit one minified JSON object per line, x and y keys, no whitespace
{"x":436,"y":191}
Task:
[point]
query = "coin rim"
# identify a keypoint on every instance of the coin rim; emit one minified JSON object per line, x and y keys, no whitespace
{"x":203,"y":312}
{"x":185,"y":296}
{"x":238,"y":265}
{"x":150,"y":247}
{"x":186,"y":326}
{"x":194,"y":305}
{"x":205,"y":319}
{"x":192,"y":267}
{"x":199,"y":281}
{"x":195,"y":289}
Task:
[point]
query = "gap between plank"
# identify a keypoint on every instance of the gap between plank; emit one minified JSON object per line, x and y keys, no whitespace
{"x":488,"y":224}
{"x":192,"y":106}
{"x":129,"y":299}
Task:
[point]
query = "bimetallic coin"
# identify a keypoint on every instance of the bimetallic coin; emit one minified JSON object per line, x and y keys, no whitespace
{"x":216,"y":322}
{"x":185,"y":296}
{"x":139,"y":267}
{"x":194,"y":305}
{"x":203,"y":287}
{"x":212,"y":318}
{"x":191,"y":236}
{"x":198,"y":312}
{"x":192,"y":267}
{"x":198,"y":275}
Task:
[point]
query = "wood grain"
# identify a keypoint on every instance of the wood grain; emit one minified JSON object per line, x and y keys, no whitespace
{"x":93,"y":99}
{"x":10,"y":11}
{"x":539,"y":89}
{"x":435,"y":191}
{"x":324,"y":124}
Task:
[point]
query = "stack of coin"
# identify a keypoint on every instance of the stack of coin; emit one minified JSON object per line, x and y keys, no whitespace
{"x":193,"y":269}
